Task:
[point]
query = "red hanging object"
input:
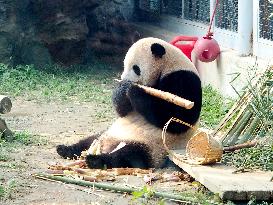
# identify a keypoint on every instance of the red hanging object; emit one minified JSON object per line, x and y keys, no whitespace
{"x":207,"y":49}
{"x":186,"y":48}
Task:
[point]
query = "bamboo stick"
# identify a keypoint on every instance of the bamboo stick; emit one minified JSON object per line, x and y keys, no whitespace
{"x":249,"y":131}
{"x":229,"y":134}
{"x":240,"y":146}
{"x":182,"y":102}
{"x":242,"y":124}
{"x":235,"y":129}
{"x":114,"y":188}
{"x":231,"y":113}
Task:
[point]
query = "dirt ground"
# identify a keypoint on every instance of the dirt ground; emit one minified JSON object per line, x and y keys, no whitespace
{"x":58,"y":123}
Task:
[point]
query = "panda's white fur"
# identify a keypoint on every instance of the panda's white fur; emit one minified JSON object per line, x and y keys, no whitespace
{"x":134,"y":127}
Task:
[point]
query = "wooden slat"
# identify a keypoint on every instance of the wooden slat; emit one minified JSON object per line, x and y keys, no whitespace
{"x":220,"y":179}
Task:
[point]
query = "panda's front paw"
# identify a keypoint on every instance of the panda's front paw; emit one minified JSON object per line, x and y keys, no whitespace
{"x":99,"y":161}
{"x":126,"y":85}
{"x":120,"y":98}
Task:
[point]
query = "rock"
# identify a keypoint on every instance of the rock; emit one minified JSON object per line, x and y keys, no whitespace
{"x":64,"y":31}
{"x":5,"y":132}
{"x":35,"y":53}
{"x":6,"y":48}
{"x":110,"y":33}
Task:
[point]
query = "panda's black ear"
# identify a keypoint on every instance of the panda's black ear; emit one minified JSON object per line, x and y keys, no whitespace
{"x":158,"y":50}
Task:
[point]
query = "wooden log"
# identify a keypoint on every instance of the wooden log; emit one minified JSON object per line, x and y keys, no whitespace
{"x":5,"y":104}
{"x":5,"y":132}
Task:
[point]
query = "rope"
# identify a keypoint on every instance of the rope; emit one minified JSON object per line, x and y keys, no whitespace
{"x":210,"y":34}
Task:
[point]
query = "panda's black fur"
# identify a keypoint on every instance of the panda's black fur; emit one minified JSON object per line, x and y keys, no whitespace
{"x":128,"y":98}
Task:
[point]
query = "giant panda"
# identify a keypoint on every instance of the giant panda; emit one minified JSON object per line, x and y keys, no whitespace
{"x":141,"y":117}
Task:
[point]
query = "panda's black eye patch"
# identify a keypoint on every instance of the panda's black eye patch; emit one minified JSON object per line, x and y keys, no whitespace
{"x":136,"y":69}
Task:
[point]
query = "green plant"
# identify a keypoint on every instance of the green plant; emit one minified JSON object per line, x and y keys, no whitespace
{"x":253,"y":201}
{"x":254,"y":121}
{"x":214,"y":107}
{"x":3,"y":157}
{"x":54,"y":83}
{"x":23,"y":137}
{"x":2,"y":191}
{"x":259,"y":157}
{"x":146,"y":192}
{"x":7,"y":189}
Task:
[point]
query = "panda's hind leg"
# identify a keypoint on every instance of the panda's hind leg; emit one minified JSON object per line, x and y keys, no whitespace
{"x":74,"y":151}
{"x":132,"y":155}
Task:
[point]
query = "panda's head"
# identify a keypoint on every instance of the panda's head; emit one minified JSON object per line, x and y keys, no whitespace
{"x":149,"y":59}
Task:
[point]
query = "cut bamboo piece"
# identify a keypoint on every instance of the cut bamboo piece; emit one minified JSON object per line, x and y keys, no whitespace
{"x":168,"y":97}
{"x":5,"y":104}
{"x":182,"y":102}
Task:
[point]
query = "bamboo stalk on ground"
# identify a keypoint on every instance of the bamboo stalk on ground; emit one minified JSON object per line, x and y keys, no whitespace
{"x":114,"y":188}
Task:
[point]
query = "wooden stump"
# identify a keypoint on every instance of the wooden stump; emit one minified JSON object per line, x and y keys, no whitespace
{"x":5,"y":132}
{"x":5,"y":104}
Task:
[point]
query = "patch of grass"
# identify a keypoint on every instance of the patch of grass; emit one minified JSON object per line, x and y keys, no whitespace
{"x":198,"y":193}
{"x":2,"y":191}
{"x":23,"y":137}
{"x":214,"y":107}
{"x":7,"y":189}
{"x":56,"y":83}
{"x":4,"y":157}
{"x":20,"y":138}
{"x":259,"y":157}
